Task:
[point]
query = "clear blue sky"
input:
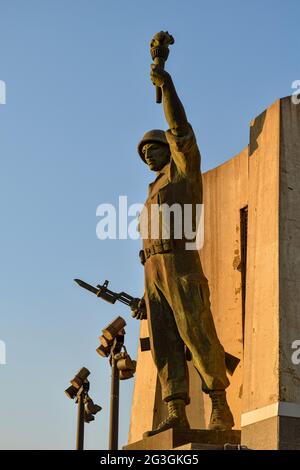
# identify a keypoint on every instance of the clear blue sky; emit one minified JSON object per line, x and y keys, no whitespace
{"x":79,"y":98}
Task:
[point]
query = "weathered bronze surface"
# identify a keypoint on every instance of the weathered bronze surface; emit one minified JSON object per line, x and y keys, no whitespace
{"x":159,"y":49}
{"x":177,"y":294}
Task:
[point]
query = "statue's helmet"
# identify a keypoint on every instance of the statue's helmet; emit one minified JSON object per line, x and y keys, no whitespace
{"x":156,"y":135}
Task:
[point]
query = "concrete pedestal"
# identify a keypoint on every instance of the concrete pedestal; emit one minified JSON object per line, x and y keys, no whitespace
{"x":198,"y":439}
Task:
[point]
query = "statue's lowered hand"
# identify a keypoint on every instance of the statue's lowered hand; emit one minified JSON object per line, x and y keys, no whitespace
{"x":138,"y":309}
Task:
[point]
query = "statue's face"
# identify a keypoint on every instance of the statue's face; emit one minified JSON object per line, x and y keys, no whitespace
{"x":157,"y":155}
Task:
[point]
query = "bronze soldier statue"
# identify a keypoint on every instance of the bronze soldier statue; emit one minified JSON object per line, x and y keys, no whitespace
{"x":177,"y":299}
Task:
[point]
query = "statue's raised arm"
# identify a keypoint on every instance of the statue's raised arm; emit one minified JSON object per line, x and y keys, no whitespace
{"x":173,"y":108}
{"x":176,"y":295}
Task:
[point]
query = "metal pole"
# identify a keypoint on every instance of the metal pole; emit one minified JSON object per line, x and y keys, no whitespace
{"x":114,"y":407}
{"x":80,"y":421}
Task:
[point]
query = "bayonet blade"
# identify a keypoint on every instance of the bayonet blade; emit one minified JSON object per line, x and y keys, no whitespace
{"x":87,"y":286}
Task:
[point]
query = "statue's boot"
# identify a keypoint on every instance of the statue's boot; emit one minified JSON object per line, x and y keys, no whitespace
{"x":221,"y":418}
{"x":177,"y":418}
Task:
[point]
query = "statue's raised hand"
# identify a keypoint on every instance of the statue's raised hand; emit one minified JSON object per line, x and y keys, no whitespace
{"x":159,"y":76}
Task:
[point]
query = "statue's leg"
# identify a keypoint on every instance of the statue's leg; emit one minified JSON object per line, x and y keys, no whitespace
{"x":189,"y":299}
{"x":167,"y":346}
{"x":167,"y":349}
{"x":191,"y":306}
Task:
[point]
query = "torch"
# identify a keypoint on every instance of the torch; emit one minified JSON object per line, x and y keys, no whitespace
{"x":159,"y":49}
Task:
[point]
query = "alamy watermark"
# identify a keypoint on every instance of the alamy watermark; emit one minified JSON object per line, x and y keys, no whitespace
{"x":154,"y":222}
{"x":2,"y":353}
{"x":2,"y":92}
{"x":296,"y":354}
{"x":296,"y":94}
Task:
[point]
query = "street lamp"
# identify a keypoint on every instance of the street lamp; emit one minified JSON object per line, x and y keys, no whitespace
{"x":122,"y":368}
{"x":86,"y":408}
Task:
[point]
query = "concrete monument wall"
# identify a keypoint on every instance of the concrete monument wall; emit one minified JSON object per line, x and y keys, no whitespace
{"x":271,"y":398}
{"x":251,"y":257}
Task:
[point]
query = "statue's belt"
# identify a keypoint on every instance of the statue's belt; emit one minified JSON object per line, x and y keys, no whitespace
{"x":159,"y":247}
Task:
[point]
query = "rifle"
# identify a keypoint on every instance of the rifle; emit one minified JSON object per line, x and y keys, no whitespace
{"x":106,"y":294}
{"x":110,"y":296}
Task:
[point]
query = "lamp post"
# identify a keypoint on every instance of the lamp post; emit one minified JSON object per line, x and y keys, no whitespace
{"x":80,"y":415}
{"x":122,"y":367}
{"x":114,"y":395}
{"x":86,"y":409}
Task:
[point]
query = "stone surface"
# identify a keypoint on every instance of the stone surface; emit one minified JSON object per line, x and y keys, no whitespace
{"x":289,"y":249}
{"x":197,"y":446}
{"x":172,"y":439}
{"x":261,"y":325}
{"x":143,"y":406}
{"x":271,"y":380}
